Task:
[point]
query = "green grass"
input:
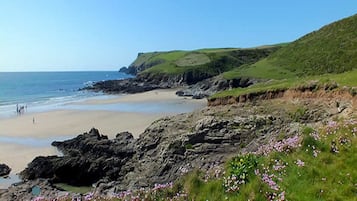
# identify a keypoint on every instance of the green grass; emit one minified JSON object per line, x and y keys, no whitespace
{"x":332,"y":49}
{"x":200,"y":63}
{"x":261,"y":70}
{"x":346,"y":79}
{"x":193,"y":59}
{"x":326,"y":176}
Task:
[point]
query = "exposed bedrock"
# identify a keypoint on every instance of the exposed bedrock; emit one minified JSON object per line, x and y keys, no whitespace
{"x":167,"y":148}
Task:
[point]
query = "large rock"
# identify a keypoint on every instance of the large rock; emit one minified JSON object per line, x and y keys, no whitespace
{"x":208,"y":87}
{"x":87,"y":158}
{"x":4,"y":170}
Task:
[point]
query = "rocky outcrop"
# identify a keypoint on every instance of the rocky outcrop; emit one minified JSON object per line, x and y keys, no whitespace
{"x":146,"y":82}
{"x":30,"y":190}
{"x":213,"y":85}
{"x":4,"y":170}
{"x":167,"y":149}
{"x":87,"y":158}
{"x":131,"y":85}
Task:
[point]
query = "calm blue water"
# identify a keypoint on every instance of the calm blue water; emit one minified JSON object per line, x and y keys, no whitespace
{"x":36,"y":89}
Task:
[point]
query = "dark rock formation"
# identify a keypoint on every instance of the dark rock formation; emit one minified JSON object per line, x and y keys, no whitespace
{"x":131,"y":85}
{"x":4,"y":170}
{"x":87,"y":158}
{"x":213,"y":85}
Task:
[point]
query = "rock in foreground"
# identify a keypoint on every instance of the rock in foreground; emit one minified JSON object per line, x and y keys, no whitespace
{"x":4,"y":170}
{"x":87,"y":158}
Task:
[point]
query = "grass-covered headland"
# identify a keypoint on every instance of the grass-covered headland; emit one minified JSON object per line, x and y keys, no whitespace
{"x":326,"y":55}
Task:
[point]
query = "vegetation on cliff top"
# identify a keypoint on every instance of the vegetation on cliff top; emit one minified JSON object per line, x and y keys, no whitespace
{"x":342,"y":80}
{"x":327,"y":54}
{"x":206,"y":61}
{"x":332,"y":49}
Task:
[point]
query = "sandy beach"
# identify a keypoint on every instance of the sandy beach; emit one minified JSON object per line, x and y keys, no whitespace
{"x":67,"y":123}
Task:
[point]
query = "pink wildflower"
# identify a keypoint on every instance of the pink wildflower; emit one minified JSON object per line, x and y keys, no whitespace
{"x":300,"y":163}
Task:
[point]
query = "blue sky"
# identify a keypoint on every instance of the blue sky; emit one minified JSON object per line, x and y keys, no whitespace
{"x":50,"y":35}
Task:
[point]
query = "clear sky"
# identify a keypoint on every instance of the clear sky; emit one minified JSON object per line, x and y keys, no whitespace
{"x":50,"y":35}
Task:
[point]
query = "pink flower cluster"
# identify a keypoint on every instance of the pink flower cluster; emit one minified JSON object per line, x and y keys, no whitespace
{"x":278,"y":166}
{"x":300,"y":163}
{"x":162,"y":186}
{"x":276,"y":197}
{"x":269,"y":177}
{"x":315,"y":135}
{"x":332,"y":127}
{"x":39,"y":198}
{"x":89,"y":196}
{"x":280,"y":146}
{"x":214,"y":172}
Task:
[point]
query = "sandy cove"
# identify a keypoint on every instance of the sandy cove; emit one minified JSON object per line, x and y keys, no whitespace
{"x":70,"y":123}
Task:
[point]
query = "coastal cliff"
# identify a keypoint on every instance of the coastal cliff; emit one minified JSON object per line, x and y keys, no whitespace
{"x":161,"y":70}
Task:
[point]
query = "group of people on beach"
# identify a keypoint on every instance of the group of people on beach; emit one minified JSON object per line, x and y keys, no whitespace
{"x":20,"y":109}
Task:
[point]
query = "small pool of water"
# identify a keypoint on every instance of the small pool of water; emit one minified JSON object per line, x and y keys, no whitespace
{"x":5,"y":182}
{"x":33,"y":142}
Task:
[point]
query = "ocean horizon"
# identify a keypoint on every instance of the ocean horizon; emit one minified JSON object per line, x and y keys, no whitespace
{"x":39,"y":91}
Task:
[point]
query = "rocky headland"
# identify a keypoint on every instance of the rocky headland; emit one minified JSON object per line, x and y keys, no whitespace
{"x":196,"y":72}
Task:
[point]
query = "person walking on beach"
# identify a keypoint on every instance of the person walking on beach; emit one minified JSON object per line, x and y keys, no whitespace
{"x":33,"y":120}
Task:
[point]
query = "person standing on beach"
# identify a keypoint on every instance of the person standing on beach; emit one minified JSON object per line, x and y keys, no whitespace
{"x":33,"y":120}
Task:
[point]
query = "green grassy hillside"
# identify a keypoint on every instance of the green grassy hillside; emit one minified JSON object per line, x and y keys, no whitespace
{"x":209,"y":62}
{"x":332,"y":49}
{"x":327,"y":54}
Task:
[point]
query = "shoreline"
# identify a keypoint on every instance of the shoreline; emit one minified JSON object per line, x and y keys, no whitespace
{"x":74,"y":119}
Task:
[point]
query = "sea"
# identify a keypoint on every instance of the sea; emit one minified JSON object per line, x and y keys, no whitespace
{"x":41,"y":91}
{"x":44,"y":91}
